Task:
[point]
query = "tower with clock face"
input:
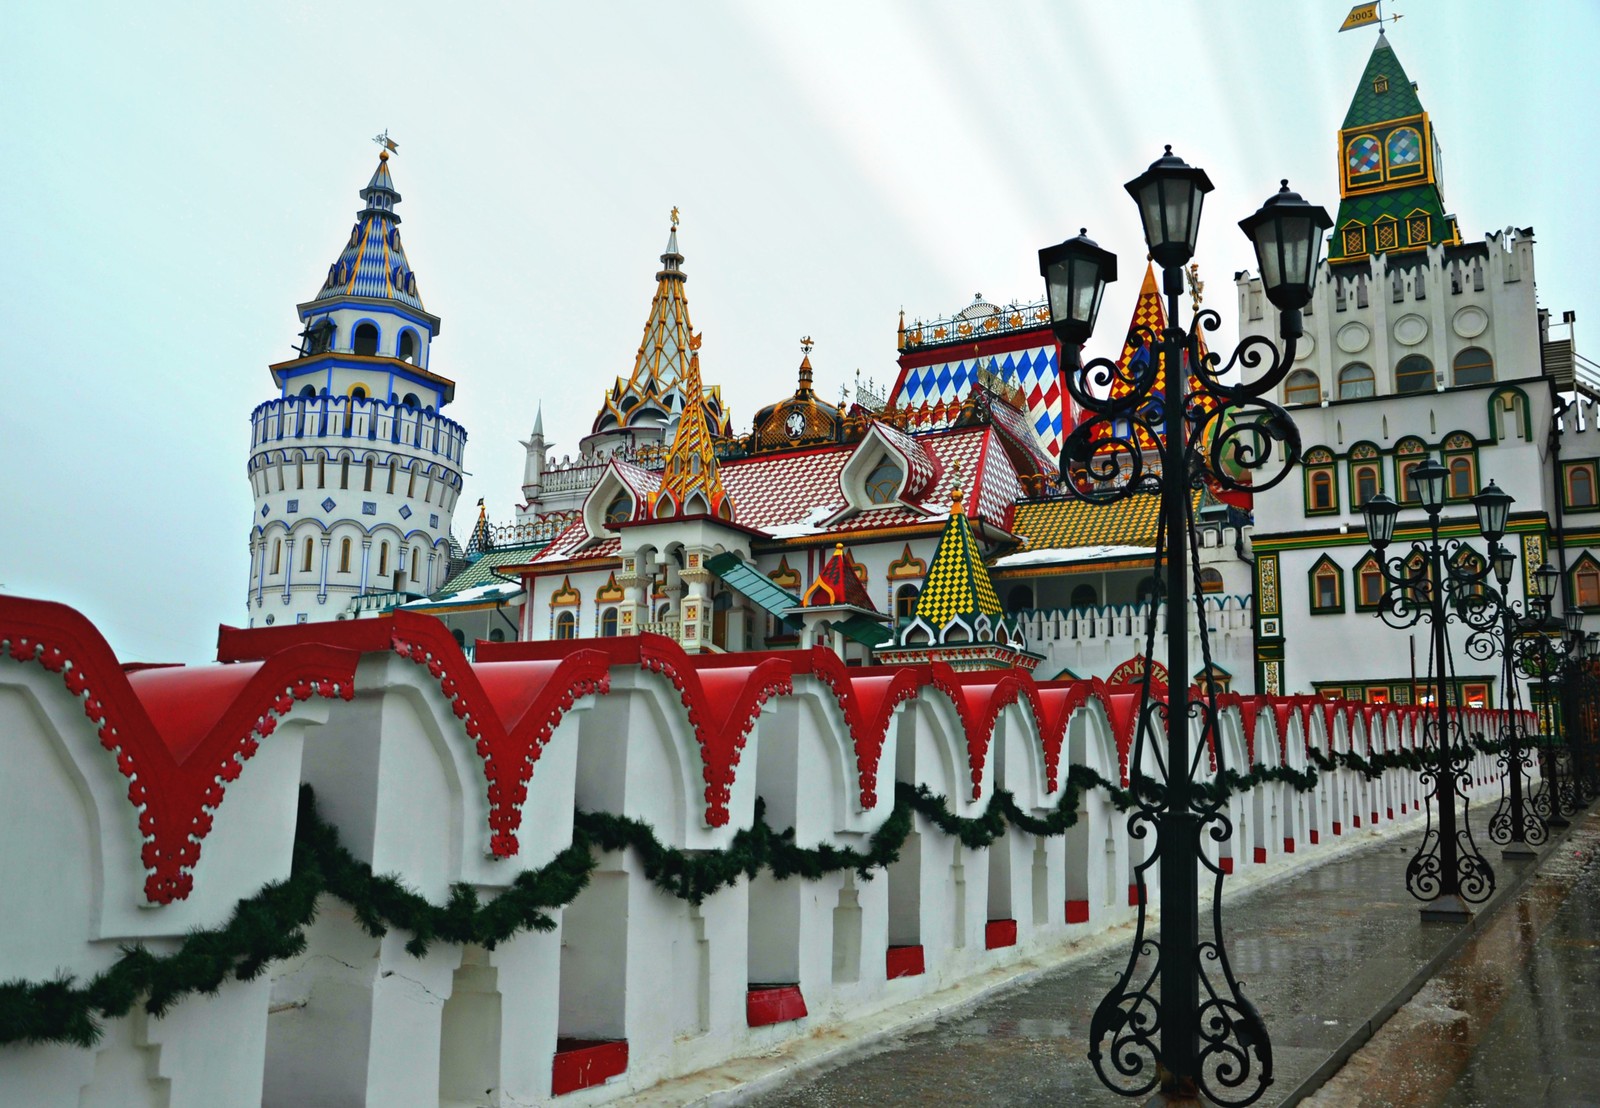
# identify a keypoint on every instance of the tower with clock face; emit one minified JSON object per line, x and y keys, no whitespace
{"x":802,"y":420}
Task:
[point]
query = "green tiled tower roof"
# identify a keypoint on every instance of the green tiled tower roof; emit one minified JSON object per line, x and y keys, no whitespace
{"x":1390,"y":200}
{"x":1400,"y":99}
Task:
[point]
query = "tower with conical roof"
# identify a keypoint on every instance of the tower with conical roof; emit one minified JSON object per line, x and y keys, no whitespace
{"x":639,"y":410}
{"x":1390,"y":195}
{"x":691,"y":481}
{"x":355,"y":471}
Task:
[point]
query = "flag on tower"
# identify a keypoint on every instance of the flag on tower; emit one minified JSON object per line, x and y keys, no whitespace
{"x":1360,"y":16}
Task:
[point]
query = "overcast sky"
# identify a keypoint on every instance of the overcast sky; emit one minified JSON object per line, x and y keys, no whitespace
{"x":175,"y":178}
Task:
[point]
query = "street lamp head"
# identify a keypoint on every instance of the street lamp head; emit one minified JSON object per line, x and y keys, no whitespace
{"x":1076,"y":273}
{"x":1169,"y":195}
{"x":1573,"y":618}
{"x":1380,"y":512}
{"x":1493,"y":505}
{"x":1428,"y":478}
{"x":1591,"y":646}
{"x":1286,"y":232}
{"x":1505,"y":565}
{"x":1544,"y":581}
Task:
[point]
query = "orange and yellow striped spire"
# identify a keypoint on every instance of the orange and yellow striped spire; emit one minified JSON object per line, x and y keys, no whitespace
{"x":691,"y":483}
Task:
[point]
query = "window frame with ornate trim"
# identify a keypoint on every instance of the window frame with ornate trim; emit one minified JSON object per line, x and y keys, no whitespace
{"x":1590,"y":467}
{"x":1585,"y":571}
{"x":1414,"y":360}
{"x":1361,"y":458}
{"x":1456,"y":366}
{"x":1293,"y":393}
{"x":1367,"y":570}
{"x":1456,"y":447}
{"x":1321,"y":467}
{"x":1325,"y":568}
{"x":1371,"y":381}
{"x":1409,"y":453}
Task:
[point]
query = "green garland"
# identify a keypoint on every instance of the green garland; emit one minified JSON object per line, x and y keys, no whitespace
{"x":270,"y":926}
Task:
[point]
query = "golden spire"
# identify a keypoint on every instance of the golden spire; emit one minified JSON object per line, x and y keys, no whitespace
{"x":691,"y":470}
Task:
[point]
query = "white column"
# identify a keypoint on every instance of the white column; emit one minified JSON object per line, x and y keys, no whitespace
{"x":322,"y":585}
{"x":366,"y":557}
{"x":288,"y":564}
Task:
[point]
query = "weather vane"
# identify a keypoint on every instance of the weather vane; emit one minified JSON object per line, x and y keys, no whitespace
{"x":806,"y":344}
{"x":1365,"y":15}
{"x":1196,"y":286}
{"x":389,"y":145}
{"x":674,"y":217}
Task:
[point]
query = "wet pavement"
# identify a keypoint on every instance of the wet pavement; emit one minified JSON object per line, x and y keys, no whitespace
{"x":1320,"y":953}
{"x":1514,"y":1018}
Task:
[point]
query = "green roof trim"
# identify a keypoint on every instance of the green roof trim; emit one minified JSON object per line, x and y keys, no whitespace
{"x":751,"y":582}
{"x":864,"y":630}
{"x":478,"y":572}
{"x":1396,"y":102}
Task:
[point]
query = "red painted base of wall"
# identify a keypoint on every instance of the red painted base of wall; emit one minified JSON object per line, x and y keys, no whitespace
{"x":764,"y":1004}
{"x":1261,"y":855}
{"x":1390,"y":811}
{"x":1288,"y":845}
{"x":1375,"y":819}
{"x":1338,"y":828}
{"x":1133,"y":895}
{"x":1316,"y":836}
{"x":1402,"y":809}
{"x":585,"y":1063}
{"x":1225,"y":865}
{"x":904,"y":961}
{"x":1355,"y":821}
{"x":1077,"y":911}
{"x":998,"y":933}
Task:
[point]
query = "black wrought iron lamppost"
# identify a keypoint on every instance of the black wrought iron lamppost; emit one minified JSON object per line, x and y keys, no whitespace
{"x":1176,"y":1017}
{"x":1545,"y":657}
{"x":1505,"y":627}
{"x":1435,"y":582}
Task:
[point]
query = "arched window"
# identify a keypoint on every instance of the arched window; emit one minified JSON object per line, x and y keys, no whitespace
{"x":459,"y":636}
{"x":1581,"y":485}
{"x":358,"y":392}
{"x":390,"y":489}
{"x":608,"y":623}
{"x":309,"y":391}
{"x":305,"y":563}
{"x":1404,"y":149}
{"x":905,"y":602}
{"x":1463,"y":478}
{"x":1020,"y":598}
{"x":1413,"y":374}
{"x":620,"y":510}
{"x":411,"y":400}
{"x":497,"y":634}
{"x":383,"y":560}
{"x":1355,"y":381}
{"x":1321,"y":494}
{"x":883,"y":481}
{"x":416,"y":556}
{"x":344,"y":555}
{"x":566,"y":626}
{"x":1302,"y":387}
{"x":1408,"y":487}
{"x":1149,"y":591}
{"x":1365,"y":481}
{"x":322,"y":471}
{"x":1210,"y":580}
{"x":1085,"y":596}
{"x":365,"y":340}
{"x":1474,"y":366}
{"x":408,"y":346}
{"x":368,"y":485}
{"x":344,"y":472}
{"x":277,"y":557}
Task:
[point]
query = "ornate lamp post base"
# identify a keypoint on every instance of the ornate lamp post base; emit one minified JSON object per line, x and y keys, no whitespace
{"x":1446,"y":909}
{"x":1519,"y":850}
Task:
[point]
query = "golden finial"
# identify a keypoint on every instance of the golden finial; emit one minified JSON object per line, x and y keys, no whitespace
{"x":838,"y":550}
{"x":1196,"y":286}
{"x":806,"y":344}
{"x":674,"y":217}
{"x":955,"y":490}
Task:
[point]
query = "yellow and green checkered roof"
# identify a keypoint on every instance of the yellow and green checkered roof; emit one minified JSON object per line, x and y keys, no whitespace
{"x":958,"y":581}
{"x":1069,"y":522}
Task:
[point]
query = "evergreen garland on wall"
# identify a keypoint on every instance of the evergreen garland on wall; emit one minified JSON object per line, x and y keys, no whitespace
{"x":270,"y":926}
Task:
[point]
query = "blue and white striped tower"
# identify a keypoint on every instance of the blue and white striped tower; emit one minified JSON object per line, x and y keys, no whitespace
{"x":355,"y":472}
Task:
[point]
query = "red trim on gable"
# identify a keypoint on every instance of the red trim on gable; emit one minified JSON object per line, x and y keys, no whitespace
{"x":179,"y":734}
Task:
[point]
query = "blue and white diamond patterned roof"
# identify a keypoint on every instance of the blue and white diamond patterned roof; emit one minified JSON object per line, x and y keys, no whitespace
{"x":373,"y":263}
{"x":1032,"y":370}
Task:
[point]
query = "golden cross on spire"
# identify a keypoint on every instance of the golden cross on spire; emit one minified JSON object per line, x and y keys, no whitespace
{"x":390,"y":146}
{"x":806,"y":344}
{"x":674,"y":217}
{"x":1196,"y":286}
